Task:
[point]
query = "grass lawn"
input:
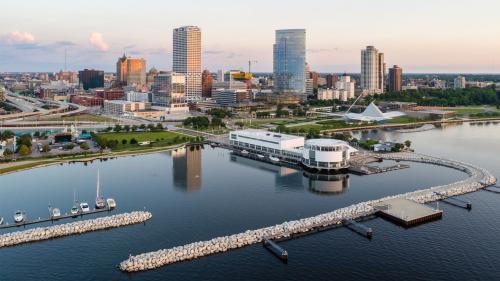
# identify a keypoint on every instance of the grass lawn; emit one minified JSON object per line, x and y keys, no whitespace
{"x":161,"y":138}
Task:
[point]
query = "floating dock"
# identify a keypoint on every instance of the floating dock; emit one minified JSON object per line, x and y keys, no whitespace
{"x":406,"y":212}
{"x":359,"y":228}
{"x":455,"y":201}
{"x":52,"y":219}
{"x":274,"y":248}
{"x":370,"y":170}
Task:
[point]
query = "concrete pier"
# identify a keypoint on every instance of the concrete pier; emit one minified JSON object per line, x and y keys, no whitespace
{"x":478,"y":179}
{"x":45,"y":233}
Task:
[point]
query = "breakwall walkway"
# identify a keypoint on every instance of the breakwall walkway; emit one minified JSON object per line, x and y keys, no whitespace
{"x":50,"y":232}
{"x":478,"y":178}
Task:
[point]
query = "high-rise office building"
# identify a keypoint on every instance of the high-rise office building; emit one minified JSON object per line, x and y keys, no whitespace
{"x":331,"y":79}
{"x":309,"y":81}
{"x":206,"y":83}
{"x":169,"y":91}
{"x":136,"y":72}
{"x":121,"y":70}
{"x":90,"y":78}
{"x":289,"y":60}
{"x":459,"y":82}
{"x":395,"y":79}
{"x":131,"y":71}
{"x":220,"y":75}
{"x":372,"y":70}
{"x":187,"y":59}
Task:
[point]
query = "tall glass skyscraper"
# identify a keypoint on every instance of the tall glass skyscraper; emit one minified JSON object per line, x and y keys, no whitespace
{"x":187,"y":59}
{"x":289,"y":61}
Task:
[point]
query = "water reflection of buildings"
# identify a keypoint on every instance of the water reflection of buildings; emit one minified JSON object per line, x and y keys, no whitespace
{"x":187,"y":168}
{"x":288,"y":179}
{"x":326,"y":184}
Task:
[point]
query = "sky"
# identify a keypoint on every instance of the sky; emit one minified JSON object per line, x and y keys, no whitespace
{"x":424,"y":36}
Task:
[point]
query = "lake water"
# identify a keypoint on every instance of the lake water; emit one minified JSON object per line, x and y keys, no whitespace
{"x":204,"y":193}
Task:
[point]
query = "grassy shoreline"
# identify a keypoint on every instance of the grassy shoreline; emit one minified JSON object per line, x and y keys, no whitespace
{"x":44,"y":162}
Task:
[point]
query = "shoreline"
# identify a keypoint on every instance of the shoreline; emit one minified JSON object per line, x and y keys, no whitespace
{"x":49,"y":162}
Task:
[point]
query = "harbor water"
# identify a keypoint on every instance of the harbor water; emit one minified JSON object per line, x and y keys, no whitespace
{"x":200,"y":193}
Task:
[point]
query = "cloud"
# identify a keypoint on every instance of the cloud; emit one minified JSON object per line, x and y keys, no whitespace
{"x":97,"y":41}
{"x":17,"y":37}
{"x":64,"y":43}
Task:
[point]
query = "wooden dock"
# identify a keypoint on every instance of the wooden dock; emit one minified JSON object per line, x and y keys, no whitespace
{"x":52,"y":219}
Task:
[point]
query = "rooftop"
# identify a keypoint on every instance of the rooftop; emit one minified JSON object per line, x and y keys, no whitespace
{"x":266,"y":135}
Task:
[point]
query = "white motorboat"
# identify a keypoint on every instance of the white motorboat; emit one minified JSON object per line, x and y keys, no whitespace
{"x":244,"y":152}
{"x":74,"y":210}
{"x":111,"y":203}
{"x":99,"y":201}
{"x":260,"y":156}
{"x":55,"y":213}
{"x":274,"y":159}
{"x":84,"y":207}
{"x":19,"y":216}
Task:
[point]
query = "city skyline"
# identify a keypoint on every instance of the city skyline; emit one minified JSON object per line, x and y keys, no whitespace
{"x":336,"y":33}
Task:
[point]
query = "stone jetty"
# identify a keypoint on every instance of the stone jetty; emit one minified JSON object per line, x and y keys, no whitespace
{"x":478,"y":178}
{"x":79,"y":227}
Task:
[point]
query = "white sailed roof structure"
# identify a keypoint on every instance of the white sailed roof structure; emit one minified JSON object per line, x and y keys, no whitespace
{"x":373,"y":113}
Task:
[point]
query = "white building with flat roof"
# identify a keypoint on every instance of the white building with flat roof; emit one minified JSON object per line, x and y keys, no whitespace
{"x":314,"y":154}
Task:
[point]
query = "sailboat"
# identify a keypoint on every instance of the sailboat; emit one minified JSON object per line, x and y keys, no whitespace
{"x":74,"y":210}
{"x":100,"y":203}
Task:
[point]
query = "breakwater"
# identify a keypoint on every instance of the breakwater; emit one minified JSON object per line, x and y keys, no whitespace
{"x":79,"y":227}
{"x":478,"y":178}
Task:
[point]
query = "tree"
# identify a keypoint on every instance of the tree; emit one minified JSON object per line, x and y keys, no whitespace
{"x":151,"y":127}
{"x":240,"y":124}
{"x":124,"y":141}
{"x":216,"y":122}
{"x":134,"y":128}
{"x":84,"y":146}
{"x":142,"y":126}
{"x":24,"y":150}
{"x":6,"y":135}
{"x":25,"y":140}
{"x":45,"y":148}
{"x":408,"y":143}
{"x":159,"y":126}
{"x":36,"y":134}
{"x":68,"y":146}
{"x":133,"y":141}
{"x":117,"y":128}
{"x":7,"y":152}
{"x":127,"y":128}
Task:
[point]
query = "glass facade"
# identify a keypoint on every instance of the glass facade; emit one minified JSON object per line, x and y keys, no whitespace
{"x":289,"y":53}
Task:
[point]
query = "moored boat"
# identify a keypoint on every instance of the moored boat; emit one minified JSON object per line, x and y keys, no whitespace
{"x":111,"y":203}
{"x":100,"y":203}
{"x":274,"y":159}
{"x":84,"y":207}
{"x":244,"y":152}
{"x":260,"y":156}
{"x":55,"y":213}
{"x":1,"y":220}
{"x":19,"y":216}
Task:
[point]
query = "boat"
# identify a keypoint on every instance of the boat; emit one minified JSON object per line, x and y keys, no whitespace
{"x":19,"y":216}
{"x":274,"y":159}
{"x":244,"y":152}
{"x":111,"y":203}
{"x":99,"y":201}
{"x":260,"y":156}
{"x":55,"y":213}
{"x":84,"y":207}
{"x":1,"y":220}
{"x":74,"y":210}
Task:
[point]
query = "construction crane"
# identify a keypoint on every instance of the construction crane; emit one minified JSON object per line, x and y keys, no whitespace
{"x":250,"y":65}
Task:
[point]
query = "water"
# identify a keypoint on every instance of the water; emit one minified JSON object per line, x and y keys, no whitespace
{"x":200,"y":194}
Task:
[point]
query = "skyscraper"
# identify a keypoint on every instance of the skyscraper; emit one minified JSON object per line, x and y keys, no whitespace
{"x":169,"y":89}
{"x":206,"y":83}
{"x":187,"y":59}
{"x":331,"y":79}
{"x":395,"y":79}
{"x":289,"y":60}
{"x":131,"y":71}
{"x":136,"y":72}
{"x":372,"y":70}
{"x":90,"y":78}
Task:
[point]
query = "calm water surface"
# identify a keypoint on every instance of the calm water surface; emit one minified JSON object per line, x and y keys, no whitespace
{"x":200,"y":194}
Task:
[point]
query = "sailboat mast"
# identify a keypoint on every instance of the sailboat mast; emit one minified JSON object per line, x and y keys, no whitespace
{"x":98,"y":185}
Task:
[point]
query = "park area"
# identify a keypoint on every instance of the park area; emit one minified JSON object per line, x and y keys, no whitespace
{"x":136,"y":140}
